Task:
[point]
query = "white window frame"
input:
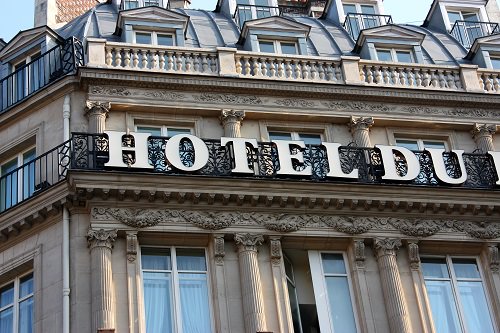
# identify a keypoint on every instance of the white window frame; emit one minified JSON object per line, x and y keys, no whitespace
{"x":454,"y":287}
{"x":394,"y":56}
{"x":164,"y":128}
{"x":496,"y":57}
{"x":177,"y":313}
{"x":141,"y":3}
{"x":402,"y":133}
{"x":154,"y":36}
{"x":420,"y":142}
{"x":277,"y":45}
{"x":253,"y":9}
{"x":19,"y":157}
{"x":17,"y":300}
{"x":295,"y":136}
{"x":358,"y":6}
{"x":320,"y":294}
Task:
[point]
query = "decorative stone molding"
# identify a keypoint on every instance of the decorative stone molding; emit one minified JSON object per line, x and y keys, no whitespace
{"x":483,"y":135}
{"x":275,"y":250}
{"x":228,"y":99}
{"x":101,"y":238}
{"x":359,"y":253}
{"x":351,"y":225}
{"x":247,"y":241}
{"x":295,"y":103}
{"x":231,"y":121}
{"x":97,"y":112}
{"x":386,"y":246}
{"x":219,"y":250}
{"x":132,"y":246}
{"x":494,"y":258}
{"x":360,"y":127}
{"x":414,"y":254}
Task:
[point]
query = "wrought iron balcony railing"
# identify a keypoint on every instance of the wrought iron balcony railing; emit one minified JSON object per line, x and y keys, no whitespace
{"x":91,"y":152}
{"x":245,"y":13}
{"x":301,"y":8}
{"x":49,"y":67}
{"x":355,"y":22}
{"x":466,"y":32}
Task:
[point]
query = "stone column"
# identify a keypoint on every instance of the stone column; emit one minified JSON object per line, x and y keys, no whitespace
{"x":251,"y":286}
{"x":392,"y":287}
{"x":97,"y":113}
{"x":100,"y":242}
{"x":231,"y":120}
{"x":483,"y":135}
{"x":360,"y":129}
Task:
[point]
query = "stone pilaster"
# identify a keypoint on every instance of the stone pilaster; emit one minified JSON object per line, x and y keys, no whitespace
{"x":97,"y":113}
{"x":133,"y":281}
{"x":251,"y":286}
{"x":483,"y":135}
{"x":231,"y":121}
{"x":494,"y":258}
{"x":360,"y":129}
{"x":222,"y":307}
{"x":100,"y":242}
{"x":392,"y":287}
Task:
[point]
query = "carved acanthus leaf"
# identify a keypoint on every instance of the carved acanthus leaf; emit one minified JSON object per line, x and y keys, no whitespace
{"x":228,"y":99}
{"x":295,"y":103}
{"x":481,"y":230}
{"x":416,"y":227}
{"x":347,"y":224}
{"x":210,"y":220}
{"x":101,"y":238}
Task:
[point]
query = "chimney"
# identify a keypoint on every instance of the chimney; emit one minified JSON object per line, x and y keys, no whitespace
{"x":55,"y":13}
{"x":179,"y":4}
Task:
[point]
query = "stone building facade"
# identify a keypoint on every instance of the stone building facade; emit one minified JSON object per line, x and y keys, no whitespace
{"x":252,"y":169}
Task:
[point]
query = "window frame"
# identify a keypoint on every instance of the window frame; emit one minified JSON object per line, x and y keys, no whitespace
{"x":17,"y":300}
{"x":402,"y":133}
{"x":394,"y":53}
{"x":164,"y":128}
{"x":496,"y":58}
{"x":175,"y":298}
{"x":358,"y":7}
{"x":421,"y":142}
{"x":277,"y":45}
{"x":154,"y":36}
{"x":454,"y":288}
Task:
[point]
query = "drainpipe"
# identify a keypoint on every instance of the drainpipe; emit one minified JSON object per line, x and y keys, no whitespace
{"x":66,"y":218}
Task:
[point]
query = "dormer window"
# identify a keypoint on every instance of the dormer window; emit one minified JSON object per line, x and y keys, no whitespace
{"x":395,"y":55}
{"x":277,"y":46}
{"x":132,"y":4}
{"x":154,"y":38}
{"x":360,"y":16}
{"x":247,"y":10}
{"x":495,"y":62}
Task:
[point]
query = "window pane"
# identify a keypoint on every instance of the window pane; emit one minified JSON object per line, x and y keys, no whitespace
{"x":194,"y":300}
{"x":8,"y":186}
{"x":333,"y":263}
{"x":156,"y":259}
{"x":466,"y":268}
{"x":288,"y":48}
{"x":404,"y":56}
{"x":471,"y":17}
{"x":142,"y":38}
{"x":340,"y":304}
{"x":384,"y":55}
{"x":158,"y":302}
{"x":26,"y":286}
{"x":165,"y":40}
{"x":7,"y":321}
{"x":454,"y":16}
{"x":29,"y":173}
{"x":171,"y":131}
{"x":311,"y":139}
{"x":477,"y":315}
{"x":495,"y":62}
{"x":266,"y":47}
{"x":243,"y":2}
{"x":26,"y":316}
{"x":191,"y":260}
{"x":154,"y":131}
{"x":435,"y":268}
{"x":261,"y":3}
{"x":7,"y":295}
{"x":443,"y":307}
{"x":409,"y":144}
{"x":349,"y":9}
{"x":365,"y":9}
{"x":279,"y":136}
{"x":434,"y":144}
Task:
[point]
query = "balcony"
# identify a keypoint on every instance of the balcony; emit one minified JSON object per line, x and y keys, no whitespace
{"x":466,"y":32}
{"x":245,"y":13}
{"x":355,"y":22}
{"x":51,"y":66}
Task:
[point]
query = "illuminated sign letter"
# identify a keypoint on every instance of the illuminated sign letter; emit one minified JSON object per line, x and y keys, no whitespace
{"x":286,"y":158}
{"x":332,"y":151}
{"x":116,"y":150}
{"x":440,"y":168}
{"x":391,"y":173}
{"x":240,"y":153}
{"x":173,"y":154}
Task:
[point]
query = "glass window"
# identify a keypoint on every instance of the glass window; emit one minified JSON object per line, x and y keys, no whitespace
{"x":266,"y":46}
{"x":349,"y":8}
{"x":288,"y":48}
{"x":17,"y":183}
{"x":165,"y":40}
{"x":395,"y":55}
{"x":495,"y":62}
{"x":176,"y":278}
{"x":16,"y":305}
{"x":419,"y":144}
{"x":143,"y":38}
{"x":309,"y":139}
{"x":384,"y":55}
{"x":163,"y":130}
{"x":404,"y":56}
{"x":456,"y":295}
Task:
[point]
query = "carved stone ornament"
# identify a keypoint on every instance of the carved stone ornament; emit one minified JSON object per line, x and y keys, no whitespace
{"x":248,"y":242}
{"x":228,"y":99}
{"x":101,"y":238}
{"x":494,"y":258}
{"x":278,"y":222}
{"x":361,"y":123}
{"x":359,"y":253}
{"x":386,"y":246}
{"x":219,"y":250}
{"x":96,"y":107}
{"x":413,"y":254}
{"x":231,"y":115}
{"x":275,"y":250}
{"x":110,"y":91}
{"x":131,"y":246}
{"x":295,"y":103}
{"x":483,"y":129}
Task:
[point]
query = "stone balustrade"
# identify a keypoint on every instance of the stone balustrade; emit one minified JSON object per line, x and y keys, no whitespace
{"x":489,"y":80}
{"x":410,"y":75}
{"x":230,"y":62}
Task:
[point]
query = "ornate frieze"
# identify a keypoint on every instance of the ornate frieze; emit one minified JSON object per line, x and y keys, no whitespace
{"x":228,"y":99}
{"x":101,"y":238}
{"x":351,"y":225}
{"x":295,"y":103}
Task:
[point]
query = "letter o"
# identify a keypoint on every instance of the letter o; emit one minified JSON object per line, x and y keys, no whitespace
{"x":174,"y":157}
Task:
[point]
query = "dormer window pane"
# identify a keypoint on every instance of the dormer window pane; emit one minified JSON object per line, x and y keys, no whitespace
{"x":143,"y":38}
{"x":365,"y":9}
{"x":165,"y":40}
{"x":404,"y":56}
{"x":495,"y":62}
{"x":151,"y":3}
{"x":384,"y":55}
{"x":267,"y":47}
{"x":288,"y":48}
{"x":349,"y":9}
{"x":472,"y":17}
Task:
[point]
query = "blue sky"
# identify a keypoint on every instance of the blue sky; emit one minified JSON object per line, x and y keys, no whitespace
{"x":12,"y":19}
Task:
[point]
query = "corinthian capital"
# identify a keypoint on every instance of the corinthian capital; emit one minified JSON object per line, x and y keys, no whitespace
{"x":96,"y":107}
{"x":248,"y":242}
{"x":231,"y":116}
{"x":386,"y":246}
{"x":483,"y":129}
{"x":360,"y":123}
{"x":101,"y":238}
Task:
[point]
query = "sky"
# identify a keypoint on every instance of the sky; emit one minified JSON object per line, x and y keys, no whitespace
{"x":12,"y":19}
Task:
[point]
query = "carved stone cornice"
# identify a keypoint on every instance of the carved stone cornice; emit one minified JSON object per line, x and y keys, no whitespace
{"x":132,"y":246}
{"x":275,"y":250}
{"x":360,"y":123}
{"x":413,"y":254}
{"x":101,"y":238}
{"x":483,"y":129}
{"x":229,"y":115}
{"x":494,"y":258}
{"x":97,"y":108}
{"x":247,"y":241}
{"x":386,"y":246}
{"x":278,"y":222}
{"x":219,"y":249}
